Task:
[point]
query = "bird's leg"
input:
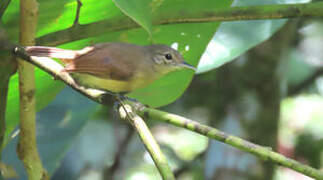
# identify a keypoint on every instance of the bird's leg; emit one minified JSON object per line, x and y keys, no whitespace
{"x":131,"y":99}
{"x":134,"y":102}
{"x":116,"y":106}
{"x":120,"y":103}
{"x":120,"y":98}
{"x":123,"y":96}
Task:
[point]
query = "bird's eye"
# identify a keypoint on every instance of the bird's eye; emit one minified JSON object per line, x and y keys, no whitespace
{"x":168,"y":56}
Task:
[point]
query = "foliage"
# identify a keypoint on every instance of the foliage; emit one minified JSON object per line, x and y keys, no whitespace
{"x":214,"y":43}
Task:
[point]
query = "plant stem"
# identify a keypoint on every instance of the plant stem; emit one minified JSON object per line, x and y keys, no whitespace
{"x":306,"y":83}
{"x":279,"y":11}
{"x":239,"y":13}
{"x":148,"y":140}
{"x":3,"y":6}
{"x":27,"y":147}
{"x":262,"y":152}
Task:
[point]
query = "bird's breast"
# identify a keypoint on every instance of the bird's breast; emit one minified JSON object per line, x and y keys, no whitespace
{"x":116,"y":86}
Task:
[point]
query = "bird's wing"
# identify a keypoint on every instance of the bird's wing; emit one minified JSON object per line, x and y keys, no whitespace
{"x":101,"y":62}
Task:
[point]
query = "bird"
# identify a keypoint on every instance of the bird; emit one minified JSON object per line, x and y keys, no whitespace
{"x":115,"y":67}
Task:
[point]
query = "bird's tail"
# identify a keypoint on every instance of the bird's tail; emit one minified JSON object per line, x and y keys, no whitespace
{"x":52,"y":52}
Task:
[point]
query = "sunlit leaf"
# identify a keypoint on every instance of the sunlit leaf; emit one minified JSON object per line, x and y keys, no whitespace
{"x":234,"y":38}
{"x":138,"y":10}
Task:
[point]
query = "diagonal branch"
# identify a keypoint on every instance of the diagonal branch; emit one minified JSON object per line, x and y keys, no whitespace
{"x":3,"y":6}
{"x":259,"y":151}
{"x":55,"y":69}
{"x":305,"y":84}
{"x":126,"y":112}
{"x":279,"y":11}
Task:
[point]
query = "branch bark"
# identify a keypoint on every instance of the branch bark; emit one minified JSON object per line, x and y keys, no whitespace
{"x":241,"y":144}
{"x":126,"y":112}
{"x":27,"y":147}
{"x":262,"y":152}
{"x":55,"y":69}
{"x":227,"y":14}
{"x":279,"y":11}
{"x":305,"y":84}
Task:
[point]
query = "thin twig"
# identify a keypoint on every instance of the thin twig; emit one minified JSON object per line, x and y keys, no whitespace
{"x":306,"y":83}
{"x":262,"y":152}
{"x":243,"y":145}
{"x":148,"y":140}
{"x":78,"y":10}
{"x":279,"y":11}
{"x":3,"y":6}
{"x":56,"y":70}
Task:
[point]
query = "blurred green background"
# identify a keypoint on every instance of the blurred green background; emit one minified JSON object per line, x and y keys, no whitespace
{"x":260,"y":80}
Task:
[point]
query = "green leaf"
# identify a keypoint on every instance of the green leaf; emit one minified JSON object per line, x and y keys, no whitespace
{"x":61,"y":16}
{"x":191,"y":40}
{"x":58,"y":125}
{"x":138,"y":10}
{"x":46,"y":91}
{"x":193,"y":37}
{"x":93,"y":11}
{"x":170,"y":87}
{"x":234,"y":38}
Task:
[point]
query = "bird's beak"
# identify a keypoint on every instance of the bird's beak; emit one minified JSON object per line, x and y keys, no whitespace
{"x":186,"y":65}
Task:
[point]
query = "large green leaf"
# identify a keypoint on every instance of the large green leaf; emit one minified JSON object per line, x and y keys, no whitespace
{"x":192,"y":37}
{"x":46,"y":91}
{"x":138,"y":10}
{"x":191,"y":42}
{"x":49,"y":21}
{"x":234,"y":38}
{"x":57,"y":127}
{"x":170,"y":87}
{"x":53,"y":16}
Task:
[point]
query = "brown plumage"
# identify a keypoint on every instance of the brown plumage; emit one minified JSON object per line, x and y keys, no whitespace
{"x":101,"y":60}
{"x":116,"y":67}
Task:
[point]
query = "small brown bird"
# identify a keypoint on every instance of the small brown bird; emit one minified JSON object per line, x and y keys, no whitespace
{"x":115,"y":67}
